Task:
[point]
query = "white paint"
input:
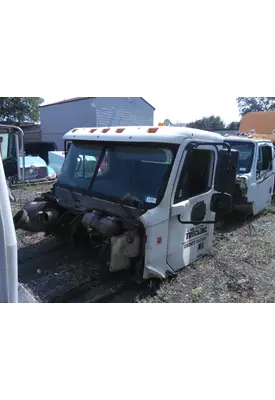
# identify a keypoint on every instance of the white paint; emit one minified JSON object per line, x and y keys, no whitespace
{"x":259,"y":189}
{"x":166,"y":246}
{"x":162,"y":222}
{"x":137,"y":134}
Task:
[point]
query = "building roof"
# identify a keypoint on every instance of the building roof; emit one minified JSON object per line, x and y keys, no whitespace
{"x":82,"y":98}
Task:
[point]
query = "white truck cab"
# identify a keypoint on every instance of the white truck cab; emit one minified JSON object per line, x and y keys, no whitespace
{"x":148,"y":202}
{"x":255,"y":175}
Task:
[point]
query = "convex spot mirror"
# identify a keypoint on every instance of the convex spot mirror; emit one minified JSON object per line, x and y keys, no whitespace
{"x":198,"y":212}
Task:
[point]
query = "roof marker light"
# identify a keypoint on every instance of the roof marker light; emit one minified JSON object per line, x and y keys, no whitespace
{"x":74,"y":130}
{"x":105,"y":130}
{"x":120,"y":130}
{"x":153,"y":130}
{"x":93,"y":130}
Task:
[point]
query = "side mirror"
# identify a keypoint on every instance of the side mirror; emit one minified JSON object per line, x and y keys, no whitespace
{"x":226,"y":171}
{"x":221,"y":203}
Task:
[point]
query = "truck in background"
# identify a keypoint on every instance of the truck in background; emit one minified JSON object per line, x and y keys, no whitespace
{"x":255,"y":174}
{"x":18,"y":164}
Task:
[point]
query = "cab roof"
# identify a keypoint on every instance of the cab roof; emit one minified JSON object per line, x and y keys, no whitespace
{"x":150,"y":134}
{"x":246,"y":139}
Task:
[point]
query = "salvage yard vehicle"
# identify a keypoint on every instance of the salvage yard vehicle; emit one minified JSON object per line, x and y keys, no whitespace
{"x":255,"y":175}
{"x":19,"y":166}
{"x":8,"y":246}
{"x":11,"y":291}
{"x":36,"y":169}
{"x":12,"y":143}
{"x":146,"y":197}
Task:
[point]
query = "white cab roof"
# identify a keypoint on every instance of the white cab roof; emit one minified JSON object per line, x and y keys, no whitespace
{"x":163,"y":134}
{"x":245,"y":139}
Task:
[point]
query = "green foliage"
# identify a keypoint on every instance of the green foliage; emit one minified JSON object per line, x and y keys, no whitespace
{"x":17,"y":110}
{"x":234,"y":125}
{"x":196,"y":294}
{"x":211,"y":123}
{"x":254,"y":104}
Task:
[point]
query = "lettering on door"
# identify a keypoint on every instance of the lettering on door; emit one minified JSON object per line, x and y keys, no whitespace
{"x":196,"y":235}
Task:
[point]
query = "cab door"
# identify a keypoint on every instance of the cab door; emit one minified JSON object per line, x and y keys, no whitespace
{"x":264,"y":173}
{"x":191,"y":200}
{"x":7,"y":148}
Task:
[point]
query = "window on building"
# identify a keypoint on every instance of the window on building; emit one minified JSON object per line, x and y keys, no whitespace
{"x":196,"y":176}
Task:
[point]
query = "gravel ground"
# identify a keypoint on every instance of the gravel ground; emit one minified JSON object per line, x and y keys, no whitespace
{"x":240,"y":268}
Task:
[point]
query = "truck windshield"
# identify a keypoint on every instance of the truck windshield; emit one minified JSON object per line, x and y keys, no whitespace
{"x":124,"y":171}
{"x":246,"y":154}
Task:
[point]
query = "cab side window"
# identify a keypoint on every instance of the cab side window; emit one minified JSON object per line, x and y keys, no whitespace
{"x":4,"y":146}
{"x":264,"y":162}
{"x":196,"y":176}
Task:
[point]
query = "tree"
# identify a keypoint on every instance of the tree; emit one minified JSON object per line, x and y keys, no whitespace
{"x":254,"y":104}
{"x":17,"y":110}
{"x":211,"y":123}
{"x":234,"y":125}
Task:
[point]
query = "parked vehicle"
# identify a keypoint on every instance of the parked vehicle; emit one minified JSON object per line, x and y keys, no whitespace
{"x":8,"y":243}
{"x":11,"y":291}
{"x":18,"y":165}
{"x":36,"y":169}
{"x":151,"y":207}
{"x":255,"y":175}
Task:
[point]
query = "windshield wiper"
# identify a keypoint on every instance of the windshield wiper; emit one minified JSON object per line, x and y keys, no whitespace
{"x":133,"y":199}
